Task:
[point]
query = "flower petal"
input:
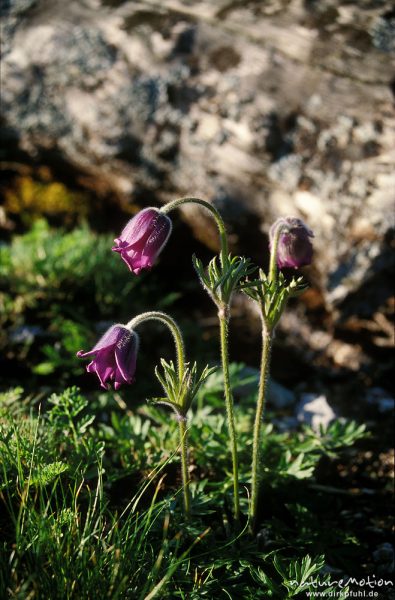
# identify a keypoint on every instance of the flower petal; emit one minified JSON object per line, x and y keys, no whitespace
{"x":139,"y":226}
{"x":110,"y":337}
{"x":294,"y":248}
{"x":159,"y":236}
{"x":104,"y":373}
{"x":143,"y":238}
{"x":126,"y":357}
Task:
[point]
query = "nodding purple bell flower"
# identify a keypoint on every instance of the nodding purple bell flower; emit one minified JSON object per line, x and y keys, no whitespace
{"x":143,"y":238}
{"x":294,"y":247}
{"x":114,"y":356}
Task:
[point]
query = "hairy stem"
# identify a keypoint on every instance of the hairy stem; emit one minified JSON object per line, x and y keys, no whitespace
{"x":218,"y":219}
{"x":180,"y":352}
{"x":256,"y":449}
{"x":273,"y":252}
{"x":175,"y":330}
{"x":223,"y":321}
{"x":223,"y":314}
{"x":182,"y":425}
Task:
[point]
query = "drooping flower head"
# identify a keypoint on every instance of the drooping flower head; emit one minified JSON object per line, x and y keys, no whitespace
{"x":143,"y":238}
{"x":294,"y":247}
{"x":114,"y":356}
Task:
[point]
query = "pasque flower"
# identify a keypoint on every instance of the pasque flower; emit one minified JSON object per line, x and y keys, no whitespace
{"x":294,"y":248}
{"x":143,"y":238}
{"x":114,"y":356}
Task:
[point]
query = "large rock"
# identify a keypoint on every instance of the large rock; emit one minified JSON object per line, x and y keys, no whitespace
{"x":266,"y":108}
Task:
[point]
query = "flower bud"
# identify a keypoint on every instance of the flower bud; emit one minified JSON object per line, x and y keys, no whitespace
{"x":294,"y":248}
{"x":143,"y":238}
{"x":114,"y":356}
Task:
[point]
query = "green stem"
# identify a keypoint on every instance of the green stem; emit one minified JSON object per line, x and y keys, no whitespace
{"x":223,"y":314}
{"x":223,"y":321}
{"x":218,"y":219}
{"x":175,"y":330}
{"x":184,"y":465}
{"x":179,"y":343}
{"x":273,"y":252}
{"x":263,"y":383}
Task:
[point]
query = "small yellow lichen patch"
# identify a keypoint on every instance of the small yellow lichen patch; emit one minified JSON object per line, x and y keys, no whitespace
{"x":34,"y":197}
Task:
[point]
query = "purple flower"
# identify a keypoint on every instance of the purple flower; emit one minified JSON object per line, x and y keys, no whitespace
{"x":294,"y":246}
{"x":114,"y":356}
{"x":143,"y":238}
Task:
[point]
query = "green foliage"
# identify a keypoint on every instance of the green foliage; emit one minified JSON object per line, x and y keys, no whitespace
{"x":20,"y":441}
{"x":221,"y":280}
{"x":272,"y":296}
{"x":61,"y":356}
{"x":90,"y":515}
{"x":179,"y":395}
{"x":56,"y":286}
{"x":61,"y":553}
{"x":44,"y":265}
{"x":66,"y":417}
{"x":298,"y":577}
{"x":45,"y":474}
{"x":12,"y":402}
{"x":240,"y":377}
{"x":336,"y":435}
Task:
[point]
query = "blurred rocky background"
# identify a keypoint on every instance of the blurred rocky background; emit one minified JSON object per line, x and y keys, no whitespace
{"x":265,"y":108}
